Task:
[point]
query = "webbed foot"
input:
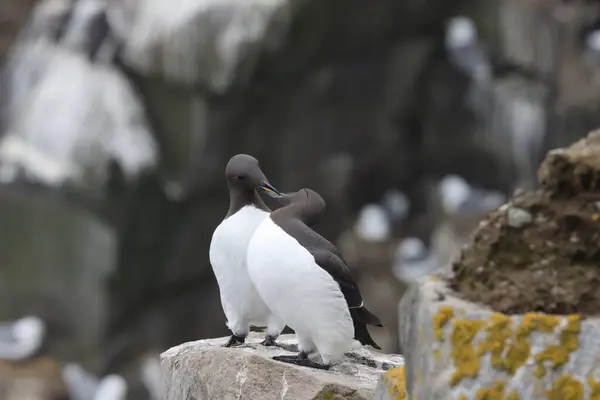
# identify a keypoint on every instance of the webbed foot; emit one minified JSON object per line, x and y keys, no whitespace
{"x":269,"y":341}
{"x":303,"y":362}
{"x":235,"y":340}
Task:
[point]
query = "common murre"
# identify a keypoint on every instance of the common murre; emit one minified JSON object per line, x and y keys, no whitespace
{"x":228,"y":248}
{"x":306,"y":283}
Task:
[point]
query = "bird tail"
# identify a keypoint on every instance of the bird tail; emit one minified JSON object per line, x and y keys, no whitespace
{"x":362,"y":314}
{"x":361,"y":317}
{"x":361,"y":333}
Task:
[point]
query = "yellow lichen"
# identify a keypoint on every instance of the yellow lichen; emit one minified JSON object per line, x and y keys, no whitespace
{"x":463,"y":397}
{"x":498,"y":331}
{"x":396,"y":382}
{"x":518,"y":351}
{"x":594,"y":388}
{"x":569,"y":336}
{"x":512,"y":396}
{"x":437,"y":353}
{"x":553,"y":353}
{"x":565,"y":387}
{"x":496,"y":392}
{"x":558,"y":354}
{"x":466,"y":362}
{"x":441,"y":318}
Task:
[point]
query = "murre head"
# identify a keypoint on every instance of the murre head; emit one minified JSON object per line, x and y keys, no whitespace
{"x":243,"y":173}
{"x":305,"y":204}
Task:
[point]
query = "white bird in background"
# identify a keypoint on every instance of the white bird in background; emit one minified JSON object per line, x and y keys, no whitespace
{"x":81,"y":385}
{"x":373,"y":224}
{"x":465,"y":51}
{"x":467,"y":54}
{"x":453,"y":191}
{"x":396,"y":203}
{"x":458,"y":197}
{"x":22,"y":338}
{"x":412,"y":260}
{"x":592,"y":44}
{"x":150,"y":376}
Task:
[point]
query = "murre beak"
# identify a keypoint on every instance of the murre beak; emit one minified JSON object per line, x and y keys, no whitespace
{"x":270,"y":190}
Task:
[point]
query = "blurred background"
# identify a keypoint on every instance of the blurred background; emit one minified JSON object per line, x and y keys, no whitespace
{"x":411,"y":118}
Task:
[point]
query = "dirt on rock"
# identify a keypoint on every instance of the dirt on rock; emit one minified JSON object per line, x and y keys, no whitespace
{"x":541,"y":251}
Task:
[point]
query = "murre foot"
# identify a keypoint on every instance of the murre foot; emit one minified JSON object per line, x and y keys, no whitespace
{"x":300,"y":356}
{"x":235,"y":340}
{"x":303,"y":362}
{"x":269,"y":341}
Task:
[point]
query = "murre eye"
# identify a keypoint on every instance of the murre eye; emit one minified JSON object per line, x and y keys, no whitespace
{"x":241,"y":177}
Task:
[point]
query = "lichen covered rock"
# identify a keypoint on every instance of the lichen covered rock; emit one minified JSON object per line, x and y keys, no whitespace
{"x":205,"y":370}
{"x":519,"y":318}
{"x":392,"y":385}
{"x":455,"y":349}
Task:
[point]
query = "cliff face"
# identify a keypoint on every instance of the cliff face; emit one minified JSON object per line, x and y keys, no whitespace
{"x":345,"y":97}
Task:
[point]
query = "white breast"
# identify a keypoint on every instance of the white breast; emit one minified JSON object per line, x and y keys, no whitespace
{"x":227,"y":255}
{"x":298,"y":291}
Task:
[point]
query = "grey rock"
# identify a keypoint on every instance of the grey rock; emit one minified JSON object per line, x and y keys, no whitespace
{"x":431,"y":372}
{"x":205,"y":370}
{"x":517,"y":217}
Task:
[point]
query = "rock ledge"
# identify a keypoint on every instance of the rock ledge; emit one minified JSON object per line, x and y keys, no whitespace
{"x":205,"y":370}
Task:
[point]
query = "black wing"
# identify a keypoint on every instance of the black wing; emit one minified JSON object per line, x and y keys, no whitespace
{"x":338,"y":270}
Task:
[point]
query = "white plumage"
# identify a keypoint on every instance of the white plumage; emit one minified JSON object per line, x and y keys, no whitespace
{"x":412,"y":260}
{"x":22,"y":338}
{"x":82,"y":385}
{"x":299,"y":292}
{"x":373,"y":224}
{"x":241,"y":303}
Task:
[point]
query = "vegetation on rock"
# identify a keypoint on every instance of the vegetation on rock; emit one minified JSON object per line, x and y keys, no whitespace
{"x":549,"y":262}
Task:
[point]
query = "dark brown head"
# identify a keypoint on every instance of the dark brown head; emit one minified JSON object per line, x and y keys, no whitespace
{"x":243,"y":173}
{"x":305,"y":204}
{"x":244,"y":178}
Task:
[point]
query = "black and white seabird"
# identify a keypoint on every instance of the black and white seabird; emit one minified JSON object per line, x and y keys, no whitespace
{"x":306,"y":283}
{"x":241,"y":303}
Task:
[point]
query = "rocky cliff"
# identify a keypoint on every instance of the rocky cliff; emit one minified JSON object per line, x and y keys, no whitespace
{"x":118,"y":117}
